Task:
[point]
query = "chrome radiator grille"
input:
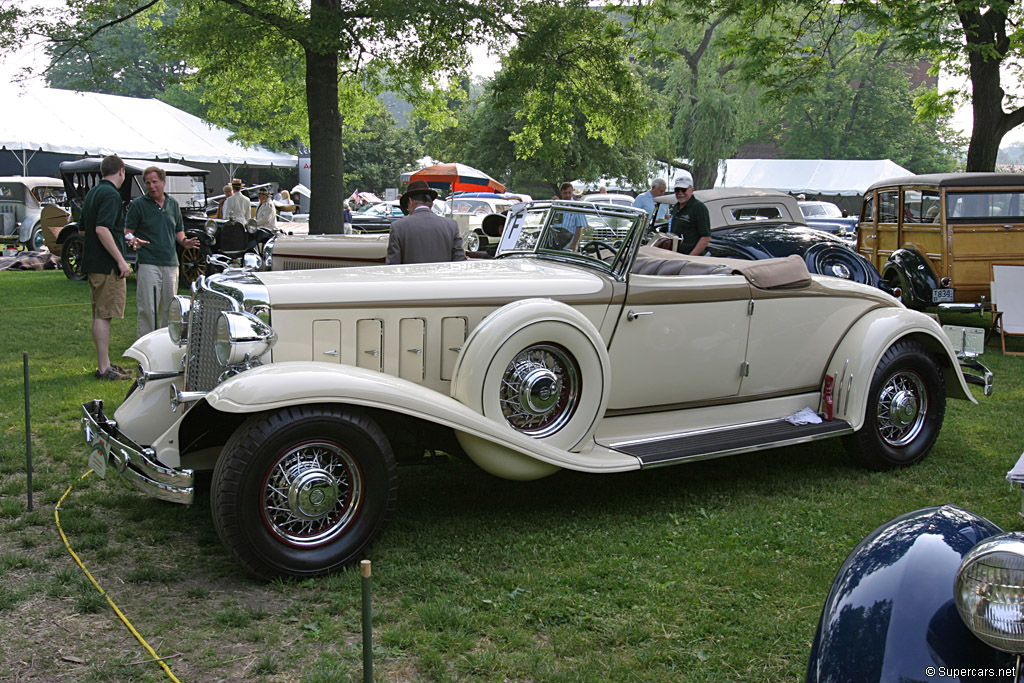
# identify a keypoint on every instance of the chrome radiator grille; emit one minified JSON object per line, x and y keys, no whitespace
{"x":202,"y":369}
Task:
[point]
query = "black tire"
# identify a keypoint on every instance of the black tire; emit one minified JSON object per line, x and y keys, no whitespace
{"x":193,"y":263}
{"x":303,"y":491}
{"x":36,"y":241}
{"x":904,"y":412}
{"x":71,"y":257}
{"x":836,"y":261}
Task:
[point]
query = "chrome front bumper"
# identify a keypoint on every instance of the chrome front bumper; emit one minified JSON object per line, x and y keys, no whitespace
{"x":136,"y":465}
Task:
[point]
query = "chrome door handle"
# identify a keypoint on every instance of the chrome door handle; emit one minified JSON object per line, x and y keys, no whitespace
{"x":633,"y":315}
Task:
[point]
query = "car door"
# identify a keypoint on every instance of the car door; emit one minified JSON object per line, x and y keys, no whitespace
{"x":679,"y":340}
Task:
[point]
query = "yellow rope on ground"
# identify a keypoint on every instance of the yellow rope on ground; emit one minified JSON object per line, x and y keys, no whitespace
{"x":124,"y":619}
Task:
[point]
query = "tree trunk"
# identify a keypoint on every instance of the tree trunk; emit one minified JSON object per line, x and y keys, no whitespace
{"x":990,"y":122}
{"x":327,"y":210}
{"x":704,"y":176}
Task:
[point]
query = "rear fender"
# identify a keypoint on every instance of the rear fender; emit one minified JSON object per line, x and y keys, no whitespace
{"x":855,"y":359}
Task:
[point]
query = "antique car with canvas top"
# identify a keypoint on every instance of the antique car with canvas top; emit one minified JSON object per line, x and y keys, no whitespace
{"x":186,"y":185}
{"x":937,"y":236}
{"x":758,"y":224}
{"x":302,"y":390}
{"x":22,"y":199}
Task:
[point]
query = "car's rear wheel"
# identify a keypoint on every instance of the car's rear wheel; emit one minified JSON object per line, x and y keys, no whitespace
{"x":304,"y":490}
{"x":905,"y":408}
{"x":71,"y":257}
{"x":36,"y":241}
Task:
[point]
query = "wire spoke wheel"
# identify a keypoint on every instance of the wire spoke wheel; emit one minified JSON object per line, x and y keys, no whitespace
{"x":902,"y":408}
{"x":311,"y":494}
{"x":540,"y":390}
{"x":193,"y":263}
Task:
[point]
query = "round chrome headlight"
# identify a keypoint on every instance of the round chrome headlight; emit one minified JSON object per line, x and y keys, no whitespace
{"x":242,"y":337}
{"x":268,"y":253}
{"x":472,"y":242}
{"x":177,"y":319}
{"x":211,"y":228}
{"x":989,"y":592}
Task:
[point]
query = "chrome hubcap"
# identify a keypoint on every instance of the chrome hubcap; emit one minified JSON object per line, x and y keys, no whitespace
{"x":540,"y":390}
{"x":902,"y":407}
{"x":311,"y":494}
{"x":840,"y":270}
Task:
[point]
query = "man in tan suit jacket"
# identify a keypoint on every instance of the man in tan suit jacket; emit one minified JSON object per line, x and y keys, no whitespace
{"x":423,"y":236}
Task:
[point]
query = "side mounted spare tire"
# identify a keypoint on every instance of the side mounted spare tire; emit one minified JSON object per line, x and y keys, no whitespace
{"x":836,"y":261}
{"x":538,"y":366}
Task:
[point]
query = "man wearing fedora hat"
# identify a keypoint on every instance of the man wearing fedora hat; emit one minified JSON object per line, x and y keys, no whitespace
{"x":237,"y":206}
{"x":423,"y":236}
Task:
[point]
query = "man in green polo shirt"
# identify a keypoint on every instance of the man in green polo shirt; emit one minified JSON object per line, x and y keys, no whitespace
{"x":154,"y":226}
{"x":102,"y":225}
{"x":690,"y":219}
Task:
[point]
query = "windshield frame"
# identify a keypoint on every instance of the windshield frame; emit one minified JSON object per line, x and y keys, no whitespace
{"x":548,"y":216}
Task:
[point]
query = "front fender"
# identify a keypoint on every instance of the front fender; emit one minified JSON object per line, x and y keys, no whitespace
{"x":66,"y":232}
{"x":915,"y":275}
{"x":855,"y":359}
{"x":293,"y":383}
{"x":890,"y":614}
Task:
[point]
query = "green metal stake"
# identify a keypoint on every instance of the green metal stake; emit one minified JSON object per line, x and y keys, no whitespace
{"x":364,"y":569}
{"x":28,"y":435}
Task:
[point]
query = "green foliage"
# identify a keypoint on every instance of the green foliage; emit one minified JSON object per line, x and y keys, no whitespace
{"x":378,"y":154}
{"x":568,"y":80}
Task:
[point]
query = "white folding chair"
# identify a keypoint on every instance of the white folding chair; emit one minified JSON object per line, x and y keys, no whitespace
{"x":1008,"y":291}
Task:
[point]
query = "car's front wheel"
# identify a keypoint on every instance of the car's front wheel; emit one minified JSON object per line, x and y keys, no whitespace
{"x":905,"y":407}
{"x":71,"y":257}
{"x":304,"y":490}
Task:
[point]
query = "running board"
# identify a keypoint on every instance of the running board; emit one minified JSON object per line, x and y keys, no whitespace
{"x":715,"y":443}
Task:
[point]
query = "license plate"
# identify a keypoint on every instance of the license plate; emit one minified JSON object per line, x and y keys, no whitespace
{"x":941,"y":296}
{"x":966,"y":339}
{"x":99,"y":451}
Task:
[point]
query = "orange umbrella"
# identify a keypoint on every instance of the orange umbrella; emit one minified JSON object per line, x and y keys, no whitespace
{"x":458,"y":177}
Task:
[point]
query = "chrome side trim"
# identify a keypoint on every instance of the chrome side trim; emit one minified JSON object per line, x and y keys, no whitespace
{"x":135,"y":464}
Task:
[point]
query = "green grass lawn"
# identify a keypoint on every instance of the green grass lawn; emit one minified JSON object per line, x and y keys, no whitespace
{"x":705,"y":572}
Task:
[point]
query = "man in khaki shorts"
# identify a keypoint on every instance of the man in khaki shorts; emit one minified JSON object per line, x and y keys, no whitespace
{"x":102,"y":224}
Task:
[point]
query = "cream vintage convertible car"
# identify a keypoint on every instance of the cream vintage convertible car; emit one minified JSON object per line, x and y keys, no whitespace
{"x":303,"y":390}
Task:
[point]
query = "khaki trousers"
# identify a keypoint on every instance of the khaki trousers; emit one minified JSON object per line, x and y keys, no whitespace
{"x":165,"y":280}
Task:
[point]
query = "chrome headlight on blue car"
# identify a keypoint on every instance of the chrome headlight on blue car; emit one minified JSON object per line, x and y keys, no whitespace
{"x":989,"y":591}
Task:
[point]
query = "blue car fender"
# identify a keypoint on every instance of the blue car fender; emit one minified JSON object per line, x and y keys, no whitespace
{"x":890,"y":615}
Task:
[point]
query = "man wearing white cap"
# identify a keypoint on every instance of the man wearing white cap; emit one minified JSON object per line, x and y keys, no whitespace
{"x":690,"y":219}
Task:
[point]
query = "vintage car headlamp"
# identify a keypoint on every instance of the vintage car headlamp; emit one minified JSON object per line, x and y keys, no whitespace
{"x":472,"y":242}
{"x":268,"y":253}
{"x":241,"y":336}
{"x":250,"y":226}
{"x":989,"y":591}
{"x":211,"y":228}
{"x":177,"y":319}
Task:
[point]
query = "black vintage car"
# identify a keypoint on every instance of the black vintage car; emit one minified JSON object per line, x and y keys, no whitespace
{"x":187,"y":185}
{"x":934,"y":595}
{"x":754,"y":224}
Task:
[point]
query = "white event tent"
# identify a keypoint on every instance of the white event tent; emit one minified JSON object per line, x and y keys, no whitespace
{"x":842,"y":181}
{"x":93,"y":124}
{"x":836,"y":177}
